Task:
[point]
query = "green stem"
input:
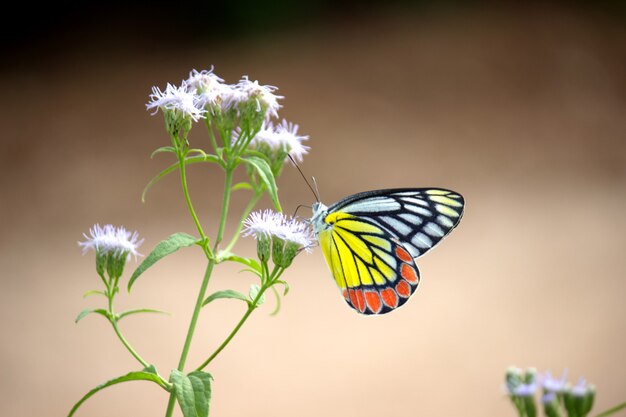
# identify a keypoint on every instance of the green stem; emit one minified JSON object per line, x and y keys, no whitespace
{"x":209,"y":126}
{"x":113,"y":320}
{"x":228,"y":183}
{"x":191,"y":330}
{"x":183,"y":180}
{"x":207,"y":275}
{"x":272,"y":279}
{"x":125,"y":343}
{"x":253,"y":201}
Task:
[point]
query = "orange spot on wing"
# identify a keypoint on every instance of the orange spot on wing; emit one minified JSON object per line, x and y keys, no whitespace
{"x":389,"y":297}
{"x":408,"y":273}
{"x":352,"y":298}
{"x":403,"y":255}
{"x":360,"y":298}
{"x":373,"y":301}
{"x":403,"y":289}
{"x":345,"y":295}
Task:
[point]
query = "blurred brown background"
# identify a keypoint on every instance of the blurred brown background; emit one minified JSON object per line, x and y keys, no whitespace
{"x":522,"y":108}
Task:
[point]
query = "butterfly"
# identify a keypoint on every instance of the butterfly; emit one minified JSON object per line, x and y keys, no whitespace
{"x":370,"y":241}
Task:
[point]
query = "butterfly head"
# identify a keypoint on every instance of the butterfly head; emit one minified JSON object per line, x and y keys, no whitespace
{"x":317,"y":220}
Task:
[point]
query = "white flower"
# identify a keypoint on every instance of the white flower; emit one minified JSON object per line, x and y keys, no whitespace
{"x":281,"y":137}
{"x":287,"y":134}
{"x":581,"y":388}
{"x":551,"y":384}
{"x":263,"y":95}
{"x":267,"y":223}
{"x":202,"y":80}
{"x":109,"y":239}
{"x":178,"y":99}
{"x":210,"y":90}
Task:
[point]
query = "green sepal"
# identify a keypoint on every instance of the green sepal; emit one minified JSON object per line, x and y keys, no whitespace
{"x":88,"y":311}
{"x":529,"y":406}
{"x":148,"y":374}
{"x":264,"y":172}
{"x":193,"y":392}
{"x":139,"y":311}
{"x":162,"y":249}
{"x":94,"y":292}
{"x":225,"y":294}
{"x":568,"y":401}
{"x":163,"y":149}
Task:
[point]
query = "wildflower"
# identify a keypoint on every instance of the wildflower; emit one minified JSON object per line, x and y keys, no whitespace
{"x":551,"y":384}
{"x":113,"y":247}
{"x":255,"y":103}
{"x":262,"y":96}
{"x":579,"y":398}
{"x":276,"y":142}
{"x":282,"y":236}
{"x":179,"y":106}
{"x":581,"y":388}
{"x":210,"y":91}
{"x":524,"y":390}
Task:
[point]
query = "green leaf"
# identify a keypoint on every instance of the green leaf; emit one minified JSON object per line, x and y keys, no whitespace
{"x":88,"y":311}
{"x":249,"y":262}
{"x":612,"y":410}
{"x":161,"y":250}
{"x":265,"y":174}
{"x":198,"y":151}
{"x":94,"y":292}
{"x":156,"y":178}
{"x":193,"y":392}
{"x":241,"y":186}
{"x":173,"y":167}
{"x":277,"y":308}
{"x":163,"y":149}
{"x":138,"y":311}
{"x":145,"y":375}
{"x":254,"y":292}
{"x":226,"y":294}
{"x":280,"y":281}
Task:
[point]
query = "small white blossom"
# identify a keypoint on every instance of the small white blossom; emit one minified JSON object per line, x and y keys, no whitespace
{"x":267,"y":223}
{"x":178,"y":99}
{"x":263,"y":95}
{"x":109,"y":239}
{"x":581,"y":388}
{"x":287,"y":134}
{"x":552,"y":384}
{"x":524,"y":390}
{"x":281,"y":137}
{"x":210,"y":90}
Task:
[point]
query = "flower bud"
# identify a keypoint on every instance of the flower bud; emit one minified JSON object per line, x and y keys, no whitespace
{"x":263,"y":247}
{"x":278,"y":246}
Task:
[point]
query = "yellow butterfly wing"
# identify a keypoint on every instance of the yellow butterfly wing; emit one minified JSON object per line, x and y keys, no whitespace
{"x":370,"y":241}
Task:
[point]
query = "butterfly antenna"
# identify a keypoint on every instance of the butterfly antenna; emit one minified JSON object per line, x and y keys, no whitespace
{"x":317,"y":191}
{"x":305,"y":180}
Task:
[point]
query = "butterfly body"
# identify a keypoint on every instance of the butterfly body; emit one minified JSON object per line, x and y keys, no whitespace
{"x":370,"y":241}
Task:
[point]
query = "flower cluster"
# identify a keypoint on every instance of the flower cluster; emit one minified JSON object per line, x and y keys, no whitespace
{"x":276,"y":234}
{"x":113,"y":247}
{"x":204,"y":95}
{"x":559,"y":398}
